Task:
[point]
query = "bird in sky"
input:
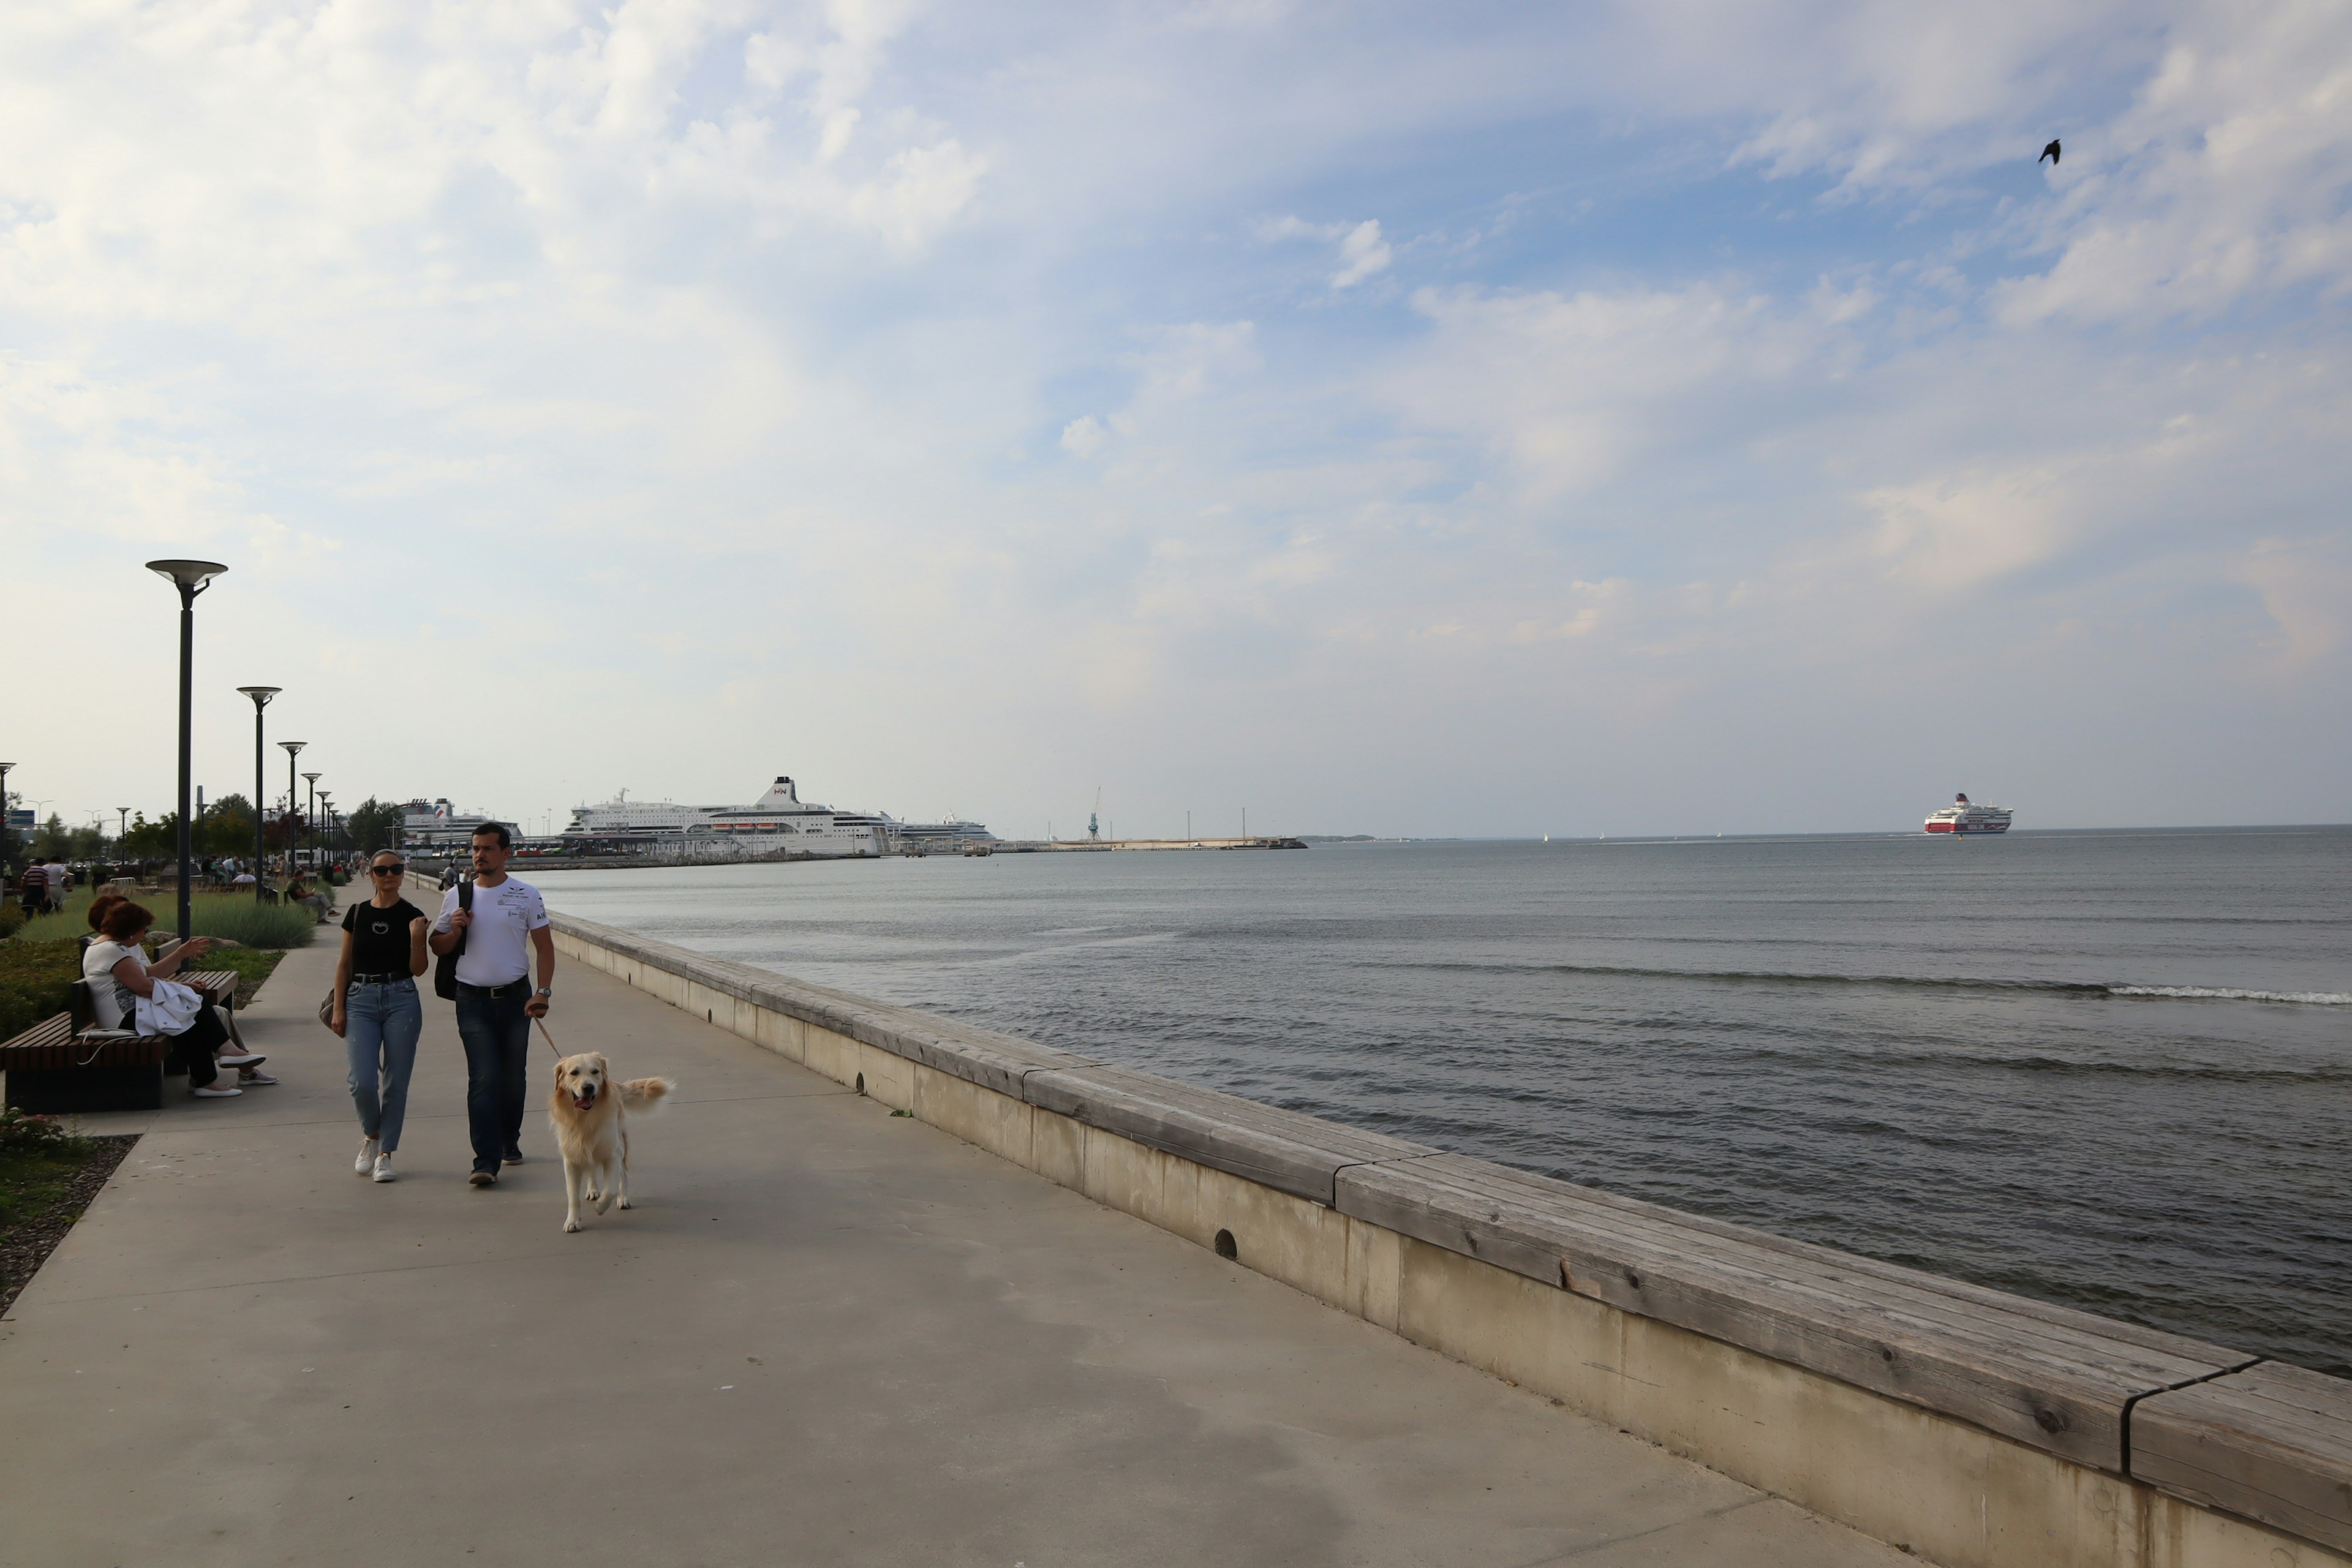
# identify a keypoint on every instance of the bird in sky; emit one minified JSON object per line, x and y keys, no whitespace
{"x":2050,"y":153}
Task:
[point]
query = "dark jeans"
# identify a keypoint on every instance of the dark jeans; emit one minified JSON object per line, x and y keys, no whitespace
{"x":194,"y":1048}
{"x":497,"y":1032}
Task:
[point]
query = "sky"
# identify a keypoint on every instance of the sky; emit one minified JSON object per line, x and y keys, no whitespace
{"x":1686,"y":416}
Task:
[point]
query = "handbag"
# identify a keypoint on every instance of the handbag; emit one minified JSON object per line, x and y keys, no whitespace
{"x":444,"y":971}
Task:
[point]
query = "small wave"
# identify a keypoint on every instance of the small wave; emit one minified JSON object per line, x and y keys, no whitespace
{"x":2231,"y":994}
{"x":1938,"y":983}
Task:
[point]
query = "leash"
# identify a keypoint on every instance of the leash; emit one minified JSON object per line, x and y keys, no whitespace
{"x":549,"y":1038}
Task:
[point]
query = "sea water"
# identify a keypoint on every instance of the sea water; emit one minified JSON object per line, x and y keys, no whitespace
{"x":2108,"y":1069}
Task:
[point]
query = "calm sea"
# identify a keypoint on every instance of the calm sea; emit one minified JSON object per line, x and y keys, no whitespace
{"x":2108,"y":1069}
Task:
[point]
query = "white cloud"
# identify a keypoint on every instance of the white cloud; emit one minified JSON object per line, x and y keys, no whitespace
{"x":1361,"y":252}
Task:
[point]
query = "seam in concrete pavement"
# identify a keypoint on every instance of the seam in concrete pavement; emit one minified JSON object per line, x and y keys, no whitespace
{"x":460,"y":1116}
{"x":299,"y":1279}
{"x":1587,"y":1550}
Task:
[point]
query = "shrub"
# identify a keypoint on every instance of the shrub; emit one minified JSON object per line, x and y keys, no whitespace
{"x":36,"y":981}
{"x":12,"y":917}
{"x":20,"y":1131}
{"x":240,"y":917}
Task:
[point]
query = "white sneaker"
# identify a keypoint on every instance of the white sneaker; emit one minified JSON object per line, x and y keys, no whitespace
{"x":366,"y":1161}
{"x":383,"y":1169}
{"x":209,"y":1092}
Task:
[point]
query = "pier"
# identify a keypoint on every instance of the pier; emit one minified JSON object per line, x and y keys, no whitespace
{"x":899,"y":1290}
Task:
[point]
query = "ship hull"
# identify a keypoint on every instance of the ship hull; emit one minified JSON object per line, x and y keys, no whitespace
{"x":1968,"y":828}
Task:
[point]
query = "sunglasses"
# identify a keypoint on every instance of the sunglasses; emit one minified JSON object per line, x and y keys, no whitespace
{"x":386,"y":870}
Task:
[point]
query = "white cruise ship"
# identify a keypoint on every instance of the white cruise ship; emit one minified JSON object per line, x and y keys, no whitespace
{"x":780,"y":816}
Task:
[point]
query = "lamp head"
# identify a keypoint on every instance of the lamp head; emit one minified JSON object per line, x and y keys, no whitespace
{"x":292,"y":747}
{"x":313,"y":777}
{"x":189,"y":575}
{"x":261,"y":694}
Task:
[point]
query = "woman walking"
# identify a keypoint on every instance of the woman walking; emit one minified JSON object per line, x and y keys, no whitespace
{"x":376,"y":1010}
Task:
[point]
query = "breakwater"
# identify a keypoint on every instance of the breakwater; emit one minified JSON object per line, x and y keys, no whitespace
{"x":1974,"y":1428}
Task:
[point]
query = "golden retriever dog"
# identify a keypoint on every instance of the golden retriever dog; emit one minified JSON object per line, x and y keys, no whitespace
{"x":589,"y":1111}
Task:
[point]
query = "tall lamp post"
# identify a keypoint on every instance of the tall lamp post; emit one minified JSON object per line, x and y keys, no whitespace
{"x":261,"y":696}
{"x":4,"y":793}
{"x":326,"y":825}
{"x":292,"y":749}
{"x":310,"y":818}
{"x":192,"y":578}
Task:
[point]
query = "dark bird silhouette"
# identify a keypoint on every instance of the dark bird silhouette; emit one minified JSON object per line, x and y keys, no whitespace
{"x":2050,"y":153}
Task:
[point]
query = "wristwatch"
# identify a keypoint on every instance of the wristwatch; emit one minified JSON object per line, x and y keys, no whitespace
{"x":544,"y":991}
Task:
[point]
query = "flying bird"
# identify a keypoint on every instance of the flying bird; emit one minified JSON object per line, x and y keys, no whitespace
{"x":2050,"y":153}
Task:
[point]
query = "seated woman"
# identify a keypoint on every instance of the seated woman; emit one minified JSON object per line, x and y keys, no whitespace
{"x":120,"y":974}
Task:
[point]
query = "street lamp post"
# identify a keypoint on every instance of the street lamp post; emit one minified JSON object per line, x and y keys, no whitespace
{"x":261,"y":696}
{"x":4,"y":793}
{"x":292,"y":749}
{"x":310,"y":818}
{"x":327,"y":825}
{"x":191,"y":578}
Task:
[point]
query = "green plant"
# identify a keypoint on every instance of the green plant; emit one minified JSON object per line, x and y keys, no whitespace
{"x":11,"y":919}
{"x":36,"y":981}
{"x":242,"y":918}
{"x":21,"y":1131}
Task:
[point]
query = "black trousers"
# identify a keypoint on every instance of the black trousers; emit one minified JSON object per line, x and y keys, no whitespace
{"x":194,"y":1048}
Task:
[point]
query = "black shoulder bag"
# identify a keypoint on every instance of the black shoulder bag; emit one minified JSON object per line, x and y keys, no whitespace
{"x":444,"y":968}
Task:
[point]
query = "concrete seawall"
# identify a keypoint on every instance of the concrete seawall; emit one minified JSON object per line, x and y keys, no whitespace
{"x":1973,"y":1428}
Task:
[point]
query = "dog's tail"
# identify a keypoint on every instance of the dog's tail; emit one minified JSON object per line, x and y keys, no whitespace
{"x":645,"y":1093}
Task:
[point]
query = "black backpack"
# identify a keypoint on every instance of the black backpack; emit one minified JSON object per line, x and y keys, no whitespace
{"x":444,"y":968}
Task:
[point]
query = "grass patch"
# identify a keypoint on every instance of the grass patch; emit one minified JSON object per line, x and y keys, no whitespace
{"x":34,"y":977}
{"x":236,"y":916}
{"x":47,"y":1177}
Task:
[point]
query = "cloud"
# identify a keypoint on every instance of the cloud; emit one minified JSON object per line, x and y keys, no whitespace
{"x":1361,"y":252}
{"x":1702,"y":364}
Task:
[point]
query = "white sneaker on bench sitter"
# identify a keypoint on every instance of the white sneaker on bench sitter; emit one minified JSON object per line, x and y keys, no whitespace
{"x":254,"y":1080}
{"x":209,"y":1092}
{"x":248,"y":1059}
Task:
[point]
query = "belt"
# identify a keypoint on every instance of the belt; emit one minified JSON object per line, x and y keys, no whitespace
{"x":466,"y":990}
{"x":378,"y":979}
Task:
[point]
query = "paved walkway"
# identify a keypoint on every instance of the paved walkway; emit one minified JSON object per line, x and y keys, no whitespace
{"x":825,"y":1335}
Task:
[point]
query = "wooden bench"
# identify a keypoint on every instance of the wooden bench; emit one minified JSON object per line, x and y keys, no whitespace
{"x":64,"y":1063}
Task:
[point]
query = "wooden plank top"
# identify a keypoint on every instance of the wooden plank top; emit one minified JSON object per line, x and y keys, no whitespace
{"x":2273,"y":1443}
{"x":2056,"y":1379}
{"x":54,"y":1030}
{"x":1286,"y":1150}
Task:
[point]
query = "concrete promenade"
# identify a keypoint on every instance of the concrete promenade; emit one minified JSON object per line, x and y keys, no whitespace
{"x":825,"y":1335}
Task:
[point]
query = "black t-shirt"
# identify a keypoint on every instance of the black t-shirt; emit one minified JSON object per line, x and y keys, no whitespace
{"x":380,"y":937}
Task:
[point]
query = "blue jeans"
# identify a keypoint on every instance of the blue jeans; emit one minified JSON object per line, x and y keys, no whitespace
{"x":497,"y":1032}
{"x":381,"y":1023}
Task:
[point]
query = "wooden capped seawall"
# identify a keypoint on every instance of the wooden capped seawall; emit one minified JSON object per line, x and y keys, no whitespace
{"x":1977,"y":1429}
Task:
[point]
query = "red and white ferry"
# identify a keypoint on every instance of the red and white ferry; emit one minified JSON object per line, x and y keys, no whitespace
{"x":1964,"y":816}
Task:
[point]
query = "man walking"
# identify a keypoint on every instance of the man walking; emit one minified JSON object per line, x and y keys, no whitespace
{"x":496,"y":1001}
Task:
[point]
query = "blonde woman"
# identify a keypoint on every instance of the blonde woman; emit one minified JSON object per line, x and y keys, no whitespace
{"x":377,"y":1011}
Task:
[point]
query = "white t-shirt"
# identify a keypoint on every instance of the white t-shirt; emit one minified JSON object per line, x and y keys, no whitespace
{"x":498,"y":942}
{"x":109,"y":999}
{"x":57,"y":874}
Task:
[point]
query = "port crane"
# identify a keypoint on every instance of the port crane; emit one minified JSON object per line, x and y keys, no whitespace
{"x":1094,"y":818}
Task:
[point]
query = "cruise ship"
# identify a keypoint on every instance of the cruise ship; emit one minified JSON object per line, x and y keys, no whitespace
{"x":778,"y":820}
{"x":1965,"y":816}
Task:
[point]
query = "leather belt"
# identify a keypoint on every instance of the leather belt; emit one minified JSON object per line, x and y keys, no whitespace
{"x":466,"y":990}
{"x":379,"y":979}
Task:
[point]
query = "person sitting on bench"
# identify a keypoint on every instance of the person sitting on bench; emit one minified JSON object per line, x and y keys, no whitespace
{"x":119,"y":975}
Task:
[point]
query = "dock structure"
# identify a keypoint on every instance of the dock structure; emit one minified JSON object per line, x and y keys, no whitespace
{"x":1091,"y":846}
{"x":899,"y":1290}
